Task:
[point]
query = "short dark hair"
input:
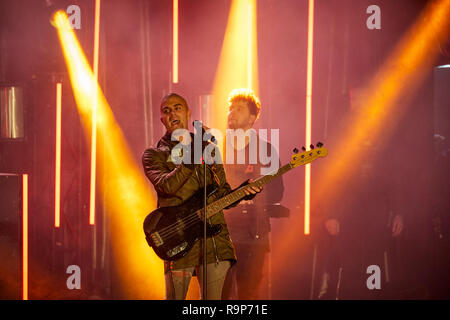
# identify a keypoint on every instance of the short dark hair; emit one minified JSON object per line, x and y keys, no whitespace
{"x":247,"y":95}
{"x":170,"y":95}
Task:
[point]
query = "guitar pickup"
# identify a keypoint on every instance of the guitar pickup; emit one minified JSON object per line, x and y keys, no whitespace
{"x":177,"y":249}
{"x":156,"y":238}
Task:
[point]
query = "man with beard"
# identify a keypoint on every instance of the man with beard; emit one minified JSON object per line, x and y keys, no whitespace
{"x":249,"y":222}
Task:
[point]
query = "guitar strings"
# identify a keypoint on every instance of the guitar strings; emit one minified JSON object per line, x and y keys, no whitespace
{"x":168,"y":232}
{"x":184,"y":220}
{"x":188,"y":221}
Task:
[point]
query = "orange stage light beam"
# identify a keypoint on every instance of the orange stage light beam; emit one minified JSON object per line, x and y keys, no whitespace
{"x":399,"y":76}
{"x":175,"y":43}
{"x":249,"y":46}
{"x":379,"y":109}
{"x":25,"y":237}
{"x":94,"y":118}
{"x":121,"y":180}
{"x":238,"y":63}
{"x":309,"y":70}
{"x":58,"y":157}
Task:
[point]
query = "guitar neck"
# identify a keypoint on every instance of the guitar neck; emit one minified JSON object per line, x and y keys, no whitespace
{"x":238,"y":194}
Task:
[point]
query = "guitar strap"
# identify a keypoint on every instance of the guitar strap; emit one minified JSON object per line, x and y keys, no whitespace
{"x":212,"y":168}
{"x":215,"y":176}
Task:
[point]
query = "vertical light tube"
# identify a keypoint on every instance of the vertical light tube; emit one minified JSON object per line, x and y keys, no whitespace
{"x":175,"y":43}
{"x":94,"y":116}
{"x":249,"y":46}
{"x":58,"y":157}
{"x":96,"y":38}
{"x":25,"y":237}
{"x":308,"y":112}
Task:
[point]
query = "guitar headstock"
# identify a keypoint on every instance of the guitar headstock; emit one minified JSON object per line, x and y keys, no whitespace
{"x":299,"y":159}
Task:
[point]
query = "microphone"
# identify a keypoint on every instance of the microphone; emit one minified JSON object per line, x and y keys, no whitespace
{"x":198,"y":125}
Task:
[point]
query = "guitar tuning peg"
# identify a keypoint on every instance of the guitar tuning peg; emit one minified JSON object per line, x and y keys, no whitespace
{"x":319,"y":144}
{"x":303,"y":148}
{"x":311,"y":146}
{"x":295,"y":150}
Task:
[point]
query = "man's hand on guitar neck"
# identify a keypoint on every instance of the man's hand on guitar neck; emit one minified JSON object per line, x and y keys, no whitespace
{"x":251,"y":191}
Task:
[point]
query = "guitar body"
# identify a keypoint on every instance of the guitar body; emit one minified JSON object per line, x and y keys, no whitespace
{"x":172,"y":231}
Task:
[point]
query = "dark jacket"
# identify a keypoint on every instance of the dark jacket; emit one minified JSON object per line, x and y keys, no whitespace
{"x":174,"y":184}
{"x":249,"y":222}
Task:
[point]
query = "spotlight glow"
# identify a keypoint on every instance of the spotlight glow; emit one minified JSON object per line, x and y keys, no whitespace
{"x":399,"y":76}
{"x":127,"y":195}
{"x":238,"y":64}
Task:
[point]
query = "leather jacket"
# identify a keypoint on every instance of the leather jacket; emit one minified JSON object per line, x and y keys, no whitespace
{"x":174,"y":184}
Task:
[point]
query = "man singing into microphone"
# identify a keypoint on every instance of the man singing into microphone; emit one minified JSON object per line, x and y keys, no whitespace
{"x":176,"y":183}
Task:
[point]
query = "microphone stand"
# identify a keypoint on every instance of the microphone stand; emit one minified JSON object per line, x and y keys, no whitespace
{"x":205,"y":260}
{"x":205,"y":290}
